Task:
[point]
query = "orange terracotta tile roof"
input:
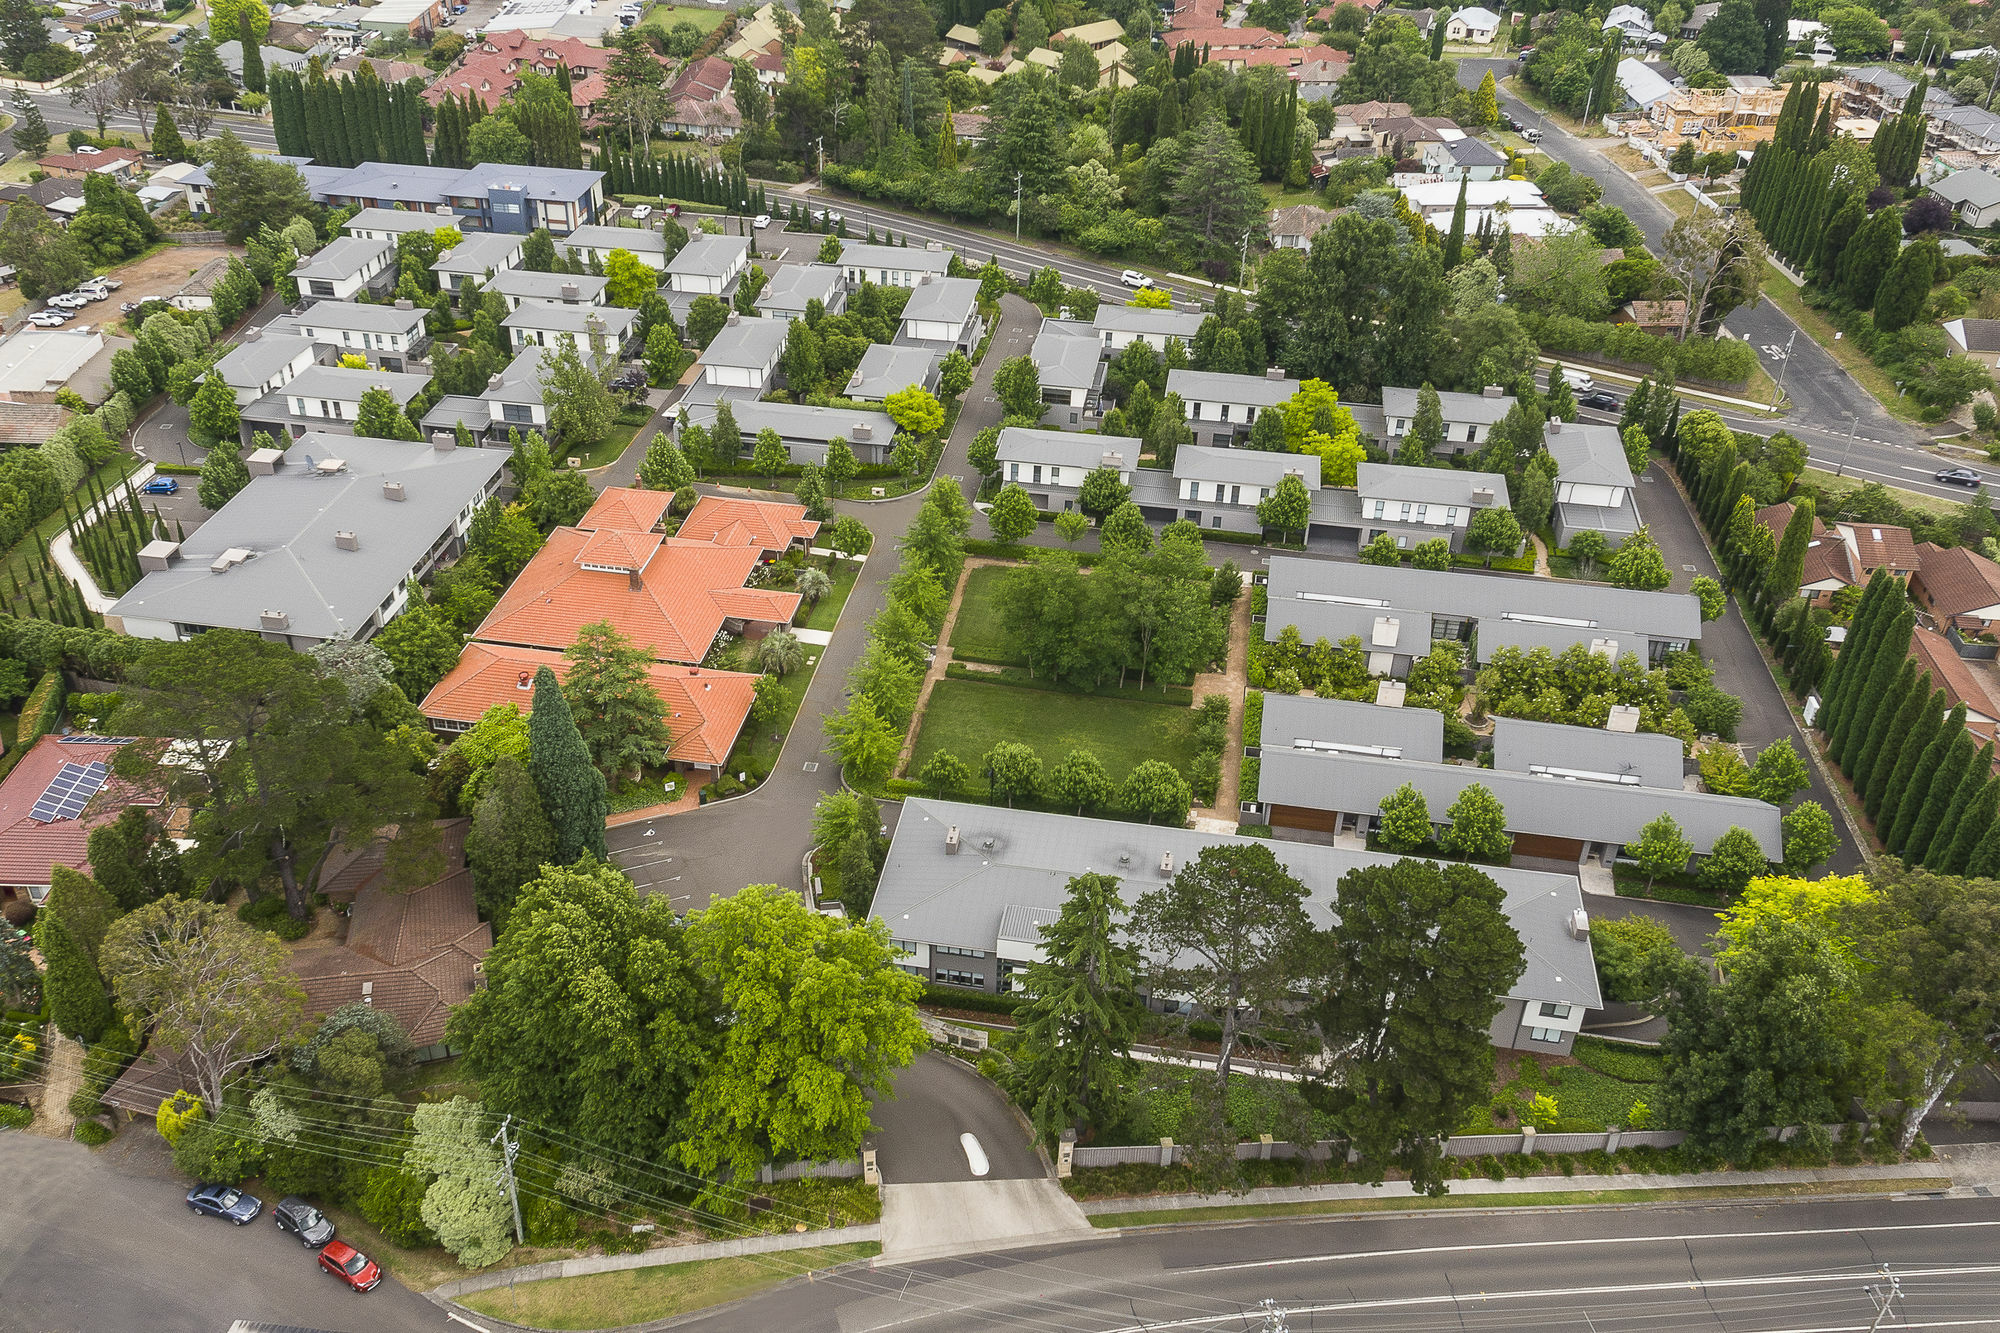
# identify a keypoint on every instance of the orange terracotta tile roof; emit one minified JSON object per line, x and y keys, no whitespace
{"x":728,"y":521}
{"x":1956,"y":581}
{"x":1960,"y":683}
{"x":611,"y":548}
{"x":29,"y":848}
{"x":629,"y":508}
{"x":682,"y":596}
{"x":1881,"y":546}
{"x":414,"y":954}
{"x":705,"y":710}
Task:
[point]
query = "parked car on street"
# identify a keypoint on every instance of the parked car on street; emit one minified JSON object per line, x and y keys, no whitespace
{"x":350,"y":1265}
{"x":761,"y":221}
{"x":642,"y":212}
{"x":168,"y":486}
{"x":225,"y":1201}
{"x":1600,"y":401}
{"x":1960,"y":476}
{"x":294,"y":1214}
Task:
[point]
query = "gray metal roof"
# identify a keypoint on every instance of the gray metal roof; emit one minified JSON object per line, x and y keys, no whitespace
{"x":710,"y":256}
{"x":915,"y":258}
{"x":521,"y":378}
{"x":1623,"y":519}
{"x":347,"y":385}
{"x":747,"y":341}
{"x":799,"y":421}
{"x":359,"y":317}
{"x":1528,"y":635}
{"x":1290,"y":719}
{"x":1180,"y":324}
{"x":1429,"y":485}
{"x":943,"y":301}
{"x":1544,"y":806}
{"x":1588,"y":455}
{"x":887,"y":369}
{"x":478,"y":252}
{"x":398,"y":220}
{"x":1066,"y":354}
{"x":457,"y":410}
{"x":1466,"y":408}
{"x":597,"y":236}
{"x":249,"y":364}
{"x":1653,"y":758}
{"x":288,"y":521}
{"x":1247,"y":467}
{"x":577,"y":319}
{"x":928,"y":896}
{"x":1978,"y":188}
{"x":1210,"y":387}
{"x":1484,"y":596}
{"x":530,"y":286}
{"x":1063,"y":448}
{"x":793,"y":286}
{"x":343,"y":257}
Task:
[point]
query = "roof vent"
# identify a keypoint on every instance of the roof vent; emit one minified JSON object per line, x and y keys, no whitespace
{"x":1386,"y":632}
{"x":1492,"y":391}
{"x":1275,"y":373}
{"x":1482,"y":496}
{"x":735,"y":320}
{"x":392,"y":490}
{"x":1555,"y":425}
{"x":1605,"y":648}
{"x":327,"y":467}
{"x":951,"y":841}
{"x":264,"y":462}
{"x":273,"y":620}
{"x":1391,"y":693}
{"x":156,"y":556}
{"x":252,"y":335}
{"x":525,"y":681}
{"x":493,"y":381}
{"x":1166,"y":865}
{"x":406,"y":304}
{"x":346,"y":541}
{"x":1579,"y":924}
{"x":229,"y":559}
{"x":1624,"y":718}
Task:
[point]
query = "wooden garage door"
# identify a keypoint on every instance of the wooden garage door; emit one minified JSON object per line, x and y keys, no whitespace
{"x":1553,"y":849}
{"x":1297,"y":816}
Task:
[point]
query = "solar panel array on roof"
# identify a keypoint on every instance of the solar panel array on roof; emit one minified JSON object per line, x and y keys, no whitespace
{"x":69,"y":791}
{"x":85,"y":738}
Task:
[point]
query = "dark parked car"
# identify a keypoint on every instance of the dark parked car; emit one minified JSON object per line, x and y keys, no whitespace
{"x":1514,"y":124}
{"x":308,"y":1223}
{"x":350,"y":1265}
{"x":630,"y":380}
{"x":1961,"y":476}
{"x":161,"y":486}
{"x":225,"y":1201}
{"x":1600,"y":401}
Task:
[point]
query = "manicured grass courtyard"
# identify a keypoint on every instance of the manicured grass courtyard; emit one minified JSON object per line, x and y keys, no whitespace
{"x":607,"y":1300}
{"x":970,"y":717}
{"x":665,"y":17}
{"x":978,"y":635}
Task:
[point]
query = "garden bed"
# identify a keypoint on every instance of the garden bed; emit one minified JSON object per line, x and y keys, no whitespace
{"x":825,"y":614}
{"x":1631,"y":882}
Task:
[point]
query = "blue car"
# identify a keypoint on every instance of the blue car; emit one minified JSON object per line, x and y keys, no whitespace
{"x":161,"y":486}
{"x":225,"y":1201}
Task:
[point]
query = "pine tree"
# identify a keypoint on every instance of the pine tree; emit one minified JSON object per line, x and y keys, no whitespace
{"x":1915,"y":789}
{"x":1940,"y":797}
{"x":167,"y":141}
{"x":1972,"y":823}
{"x":1896,"y":712}
{"x":1875,"y":698}
{"x":573,"y":792}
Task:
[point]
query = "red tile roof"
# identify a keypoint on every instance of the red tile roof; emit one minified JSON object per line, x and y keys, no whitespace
{"x":415,"y":954}
{"x":96,"y":161}
{"x":30,"y":849}
{"x":673,"y":608}
{"x":705,"y":710}
{"x":705,"y":79}
{"x":627,"y":507}
{"x":1881,"y":546}
{"x":349,"y":870}
{"x":762,"y":524}
{"x":1221,"y":39}
{"x":1959,"y":682}
{"x":626,"y":552}
{"x":1953,"y":581}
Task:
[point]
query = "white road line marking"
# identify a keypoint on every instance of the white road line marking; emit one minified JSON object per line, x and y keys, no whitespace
{"x":975,"y":1156}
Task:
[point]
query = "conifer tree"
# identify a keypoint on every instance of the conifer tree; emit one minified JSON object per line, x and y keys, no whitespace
{"x":1912,"y":742}
{"x":1874,"y":698}
{"x":1941,"y":796}
{"x":1967,"y":823}
{"x":1916,"y":791}
{"x":573,"y":792}
{"x":1896,"y":707}
{"x":167,"y":141}
{"x":253,"y":54}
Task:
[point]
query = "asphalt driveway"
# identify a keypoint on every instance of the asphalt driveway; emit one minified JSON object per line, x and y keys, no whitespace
{"x":935,"y":1100}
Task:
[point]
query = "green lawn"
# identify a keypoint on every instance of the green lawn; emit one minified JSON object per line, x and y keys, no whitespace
{"x":607,"y":1300}
{"x":606,"y":451}
{"x":977,"y":635}
{"x":826,"y":614}
{"x":758,"y":746}
{"x":664,"y":17}
{"x":969,"y":717}
{"x":19,"y":561}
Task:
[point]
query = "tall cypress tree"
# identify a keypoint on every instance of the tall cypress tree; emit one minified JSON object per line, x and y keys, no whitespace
{"x":253,"y":54}
{"x":1914,"y":744}
{"x":1985,"y":859}
{"x":1894,"y":704}
{"x":1941,"y":796}
{"x":573,"y":791}
{"x":1850,"y":669}
{"x":1876,"y":698}
{"x":1454,"y":244}
{"x":1970,"y":822}
{"x":1878,"y":762}
{"x":1917,"y":792}
{"x":1790,"y":562}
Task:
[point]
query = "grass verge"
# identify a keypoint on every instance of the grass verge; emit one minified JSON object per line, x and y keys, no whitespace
{"x":1553,"y":1198}
{"x":664,"y":17}
{"x":606,"y":451}
{"x":1930,"y":504}
{"x":608,"y":1300}
{"x":825,"y":613}
{"x":1784,"y":294}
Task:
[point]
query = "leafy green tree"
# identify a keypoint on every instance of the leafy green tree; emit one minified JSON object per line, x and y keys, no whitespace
{"x":1414,"y":1060}
{"x":613,"y":703}
{"x":1019,"y":387}
{"x":1809,"y":837}
{"x":821,"y":1018}
{"x":1080,"y":781}
{"x":1639,"y":564}
{"x":1713,"y":600}
{"x":1382,"y":550}
{"x":705,"y":318}
{"x":221,"y":994}
{"x":1070,"y":525}
{"x":1778,"y":774}
{"x":212,"y":413}
{"x":665,"y":468}
{"x":1662,"y":849}
{"x":1494,"y":532}
{"x":1125,"y":530}
{"x":1012,"y":770}
{"x":71,"y":982}
{"x":1157,"y":791}
{"x":1434,"y":554}
{"x":913,"y":409}
{"x":1102,"y":492}
{"x":1732,"y":862}
{"x":573,"y":792}
{"x":1073,"y":1058}
{"x":464,"y":1205}
{"x":581,"y":410}
{"x":1405,"y":822}
{"x":954,"y":375}
{"x":945,"y":776}
{"x":865,"y":740}
{"x":1288,"y":508}
{"x":510,"y":839}
{"x":628,"y":280}
{"x":380,"y":417}
{"x":420,"y":645}
{"x":223,"y":474}
{"x":1478,"y":826}
{"x":1013,"y":515}
{"x":133,"y":862}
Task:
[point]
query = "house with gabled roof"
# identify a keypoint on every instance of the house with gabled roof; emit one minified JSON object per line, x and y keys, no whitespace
{"x":1961,"y":588}
{"x":56,"y":793}
{"x":1594,"y":482}
{"x":1122,"y":325}
{"x":1951,"y":673}
{"x":765,"y":527}
{"x":887,"y":369}
{"x":1468,"y":417}
{"x":942,"y":314}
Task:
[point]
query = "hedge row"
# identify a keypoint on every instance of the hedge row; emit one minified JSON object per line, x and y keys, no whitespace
{"x":1722,"y":361}
{"x":40,"y":712}
{"x":951,"y":997}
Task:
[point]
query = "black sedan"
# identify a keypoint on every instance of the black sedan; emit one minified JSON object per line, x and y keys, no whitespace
{"x":1599,"y":401}
{"x":308,"y":1223}
{"x":225,"y":1201}
{"x":1960,"y":476}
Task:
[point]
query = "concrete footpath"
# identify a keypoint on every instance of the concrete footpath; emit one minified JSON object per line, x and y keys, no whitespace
{"x":673,"y":1254}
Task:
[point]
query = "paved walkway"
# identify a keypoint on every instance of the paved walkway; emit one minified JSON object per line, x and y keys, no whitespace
{"x":1542,"y":570}
{"x":939,"y":661}
{"x":62,"y":1078}
{"x":1231,"y":683}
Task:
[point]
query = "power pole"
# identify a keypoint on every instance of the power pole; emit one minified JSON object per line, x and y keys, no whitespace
{"x":1017,"y":207}
{"x":509,"y":1149}
{"x":1782,"y":369}
{"x":1243,"y":267}
{"x":1274,"y":1317}
{"x":1884,"y":1296}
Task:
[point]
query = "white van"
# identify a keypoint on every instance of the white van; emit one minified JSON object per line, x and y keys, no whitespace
{"x":1579,"y":380}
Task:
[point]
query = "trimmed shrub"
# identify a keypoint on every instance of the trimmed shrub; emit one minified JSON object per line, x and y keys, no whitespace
{"x":92,"y":1133}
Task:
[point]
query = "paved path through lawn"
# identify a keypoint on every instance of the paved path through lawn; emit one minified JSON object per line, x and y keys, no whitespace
{"x":939,"y":661}
{"x":1230,"y":682}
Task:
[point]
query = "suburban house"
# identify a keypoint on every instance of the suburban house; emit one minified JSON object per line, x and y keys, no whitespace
{"x":1698,"y":18}
{"x":794,"y":287}
{"x":1975,"y":339}
{"x":322,"y":544}
{"x":36,"y":364}
{"x":1974,"y":196}
{"x":404,"y":18}
{"x":474,"y":259}
{"x":392,"y":337}
{"x":601,"y":333}
{"x":1844,"y":555}
{"x":1293,"y":228}
{"x":1937,"y":655}
{"x":1474,"y":25}
{"x":265,"y":362}
{"x":1398,"y":613}
{"x":706,"y":266}
{"x":1468,"y":417}
{"x":346,"y":266}
{"x":1630,"y":21}
{"x":486,"y":197}
{"x":1051,"y":464}
{"x":943,"y":314}
{"x":593,"y":245}
{"x":1070,"y":366}
{"x":325,"y":399}
{"x":1345,"y":726}
{"x":741,"y":361}
{"x":274,"y":57}
{"x":1415,"y":504}
{"x":805,"y":430}
{"x":1594,"y":482}
{"x":121,"y":164}
{"x":58,"y":791}
{"x":887,"y":369}
{"x":967,"y":889}
{"x":387,"y":224}
{"x":519,"y":286}
{"x":512,"y":401}
{"x":415,"y":953}
{"x":726,"y":520}
{"x":893,"y":265}
{"x":1960,"y":588}
{"x":1218,"y":489}
{"x":1318,"y":76}
{"x":1463,"y":158}
{"x":1222,"y":407}
{"x":1221,"y":488}
{"x":668,"y":595}
{"x":1122,"y":325}
{"x":1571,"y":794}
{"x":702,"y":102}
{"x":1515,"y":205}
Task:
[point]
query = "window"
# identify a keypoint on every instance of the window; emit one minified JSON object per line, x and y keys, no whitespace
{"x":1472,"y":434}
{"x":1236,"y":495}
{"x":508,"y":208}
{"x":1380,"y":505}
{"x":1550,"y":1009}
{"x":1215,"y":522}
{"x":1225,"y":413}
{"x":1218,"y":492}
{"x":1423,"y":513}
{"x":1406,"y":511}
{"x":1013,"y":472}
{"x":1451,"y":514}
{"x":1400,"y":426}
{"x":1055,"y":476}
{"x":1036,"y":480}
{"x":959,"y":953}
{"x":516,"y":412}
{"x":1552,"y":1035}
{"x":951,"y":977}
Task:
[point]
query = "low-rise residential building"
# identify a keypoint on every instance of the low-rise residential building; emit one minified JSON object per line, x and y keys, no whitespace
{"x":1293,"y":228}
{"x":1476,"y":26}
{"x":1974,"y":196}
{"x":1399,"y":613}
{"x":1221,"y":408}
{"x":1415,"y":504}
{"x":1068,"y":361}
{"x":265,"y":361}
{"x":1218,"y":489}
{"x":766,"y":528}
{"x":476,"y":258}
{"x":593,"y":245}
{"x":887,"y":369}
{"x":1844,"y":555}
{"x":56,"y":793}
{"x":1463,"y":158}
{"x":519,"y":286}
{"x":893,"y":265}
{"x":326,"y":400}
{"x":806,"y":431}
{"x":741,"y":361}
{"x":602,"y":333}
{"x":706,"y":266}
{"x":967,"y":889}
{"x":345,"y":267}
{"x":1468,"y":417}
{"x":322,"y":544}
{"x":513,"y":400}
{"x":485,"y":197}
{"x":387,"y":224}
{"x":392,"y":337}
{"x":1960,"y":588}
{"x":1221,"y":488}
{"x":1975,"y":339}
{"x":1594,"y":483}
{"x":1051,"y":464}
{"x":121,"y":164}
{"x":1513,"y":204}
{"x":36,"y":363}
{"x":1936,"y":656}
{"x":1122,"y":325}
{"x":943,"y":314}
{"x":794,"y":287}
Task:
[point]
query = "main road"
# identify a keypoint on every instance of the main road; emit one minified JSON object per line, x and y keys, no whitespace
{"x":1770,"y":1268}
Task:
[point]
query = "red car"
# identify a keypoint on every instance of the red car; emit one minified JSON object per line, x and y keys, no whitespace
{"x":350,"y":1265}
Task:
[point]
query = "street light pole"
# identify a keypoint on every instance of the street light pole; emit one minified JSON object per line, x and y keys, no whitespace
{"x":1847,"y":452}
{"x":1017,"y":207}
{"x":820,"y":143}
{"x":1243,"y":267}
{"x":1784,"y":370}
